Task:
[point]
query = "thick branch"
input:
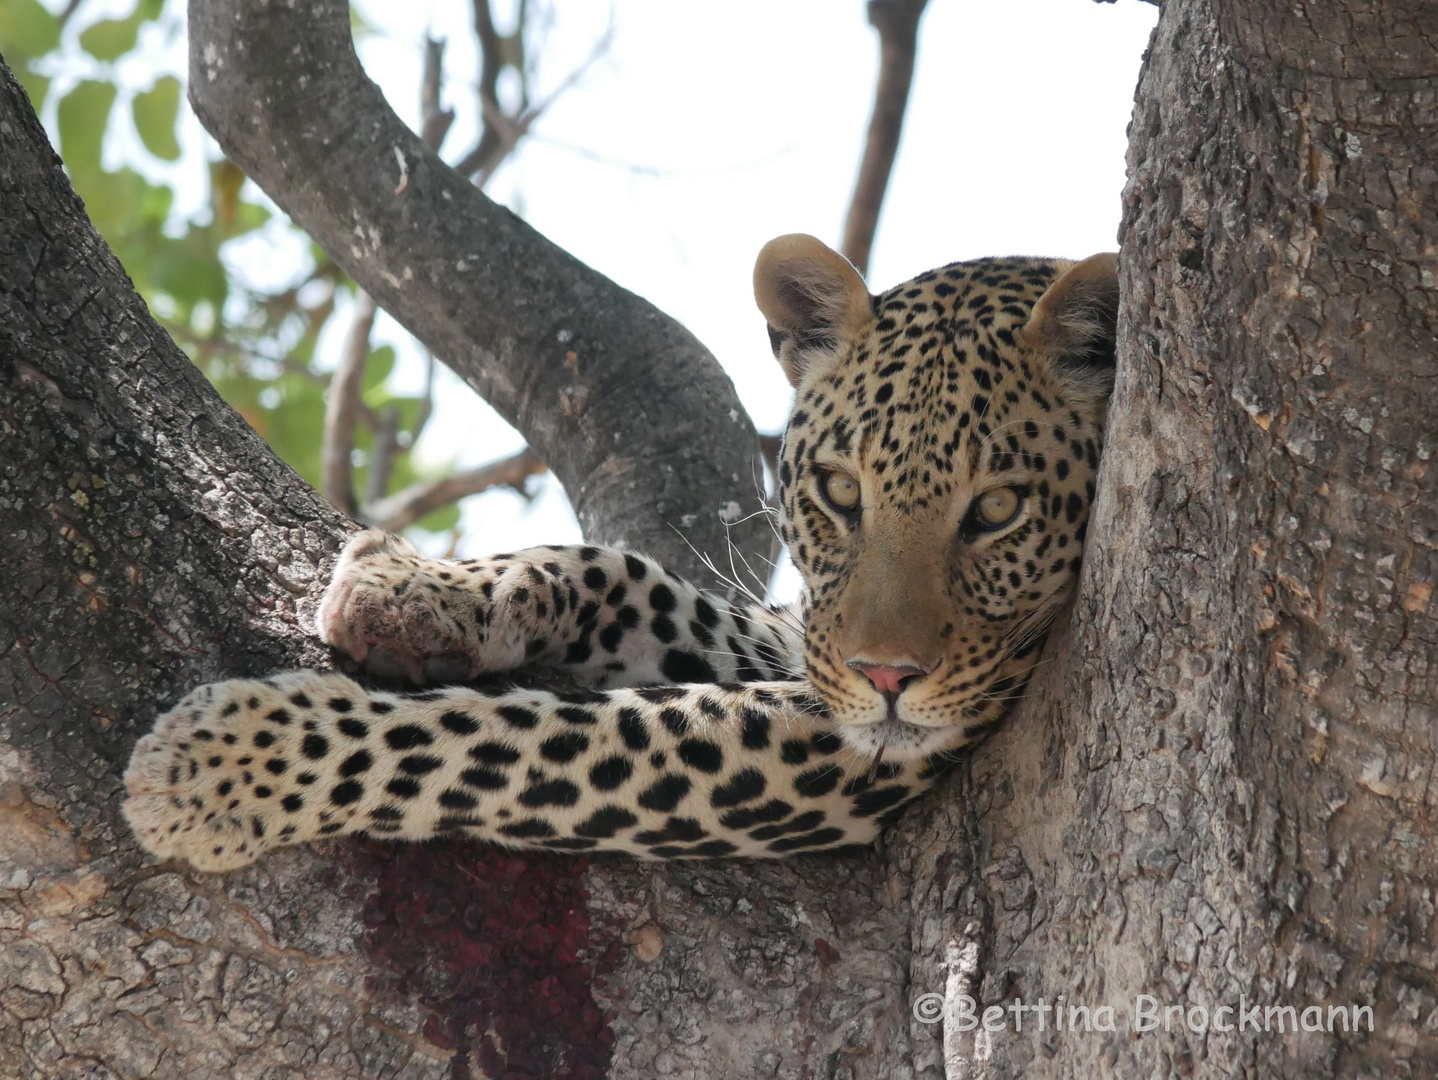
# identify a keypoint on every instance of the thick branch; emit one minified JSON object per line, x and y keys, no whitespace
{"x":897,"y":22}
{"x":632,"y":413}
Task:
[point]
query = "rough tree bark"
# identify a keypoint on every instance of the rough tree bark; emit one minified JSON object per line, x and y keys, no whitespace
{"x":1223,"y":788}
{"x":1219,"y":787}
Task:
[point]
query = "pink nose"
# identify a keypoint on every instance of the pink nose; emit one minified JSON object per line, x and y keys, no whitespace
{"x":886,"y":678}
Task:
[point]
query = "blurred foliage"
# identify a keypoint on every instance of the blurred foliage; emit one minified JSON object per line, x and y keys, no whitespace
{"x":256,"y":345}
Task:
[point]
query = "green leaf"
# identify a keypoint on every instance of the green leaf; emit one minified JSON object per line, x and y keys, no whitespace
{"x":303,"y":351}
{"x":37,"y":86}
{"x":26,"y":30}
{"x":376,"y":370}
{"x":83,"y":115}
{"x":110,"y":39}
{"x":408,"y":408}
{"x":249,"y":217}
{"x":292,"y":427}
{"x":441,"y":520}
{"x":188,"y":271}
{"x":155,"y":113}
{"x":358,"y":27}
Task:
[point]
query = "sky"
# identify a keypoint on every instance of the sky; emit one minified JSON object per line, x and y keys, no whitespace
{"x":706,"y":129}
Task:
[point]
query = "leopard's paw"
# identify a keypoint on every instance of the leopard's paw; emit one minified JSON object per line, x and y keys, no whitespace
{"x":399,"y":613}
{"x":226,"y":775}
{"x":172,"y":804}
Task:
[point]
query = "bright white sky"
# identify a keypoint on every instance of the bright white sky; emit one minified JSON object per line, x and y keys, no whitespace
{"x":707,"y":129}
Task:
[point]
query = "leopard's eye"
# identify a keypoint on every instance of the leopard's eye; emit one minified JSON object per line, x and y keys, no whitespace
{"x":841,"y":491}
{"x":994,"y":509}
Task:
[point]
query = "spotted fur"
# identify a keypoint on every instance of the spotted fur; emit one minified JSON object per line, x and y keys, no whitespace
{"x":703,"y":726}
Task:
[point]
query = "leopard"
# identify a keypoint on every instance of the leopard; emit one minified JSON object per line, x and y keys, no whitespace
{"x":934,"y":482}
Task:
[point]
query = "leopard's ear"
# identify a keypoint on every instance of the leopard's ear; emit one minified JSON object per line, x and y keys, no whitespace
{"x":1074,"y":323}
{"x":811,"y":297}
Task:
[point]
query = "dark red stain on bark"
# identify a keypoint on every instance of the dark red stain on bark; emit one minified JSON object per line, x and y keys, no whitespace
{"x":497,"y":945}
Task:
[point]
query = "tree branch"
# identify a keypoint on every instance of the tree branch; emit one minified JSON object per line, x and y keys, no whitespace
{"x":406,"y":507}
{"x":502,"y":131}
{"x":513,"y":129}
{"x":342,"y":404}
{"x":490,"y":148}
{"x":434,"y":118}
{"x":384,"y":450}
{"x":897,"y":22}
{"x":631,"y":412}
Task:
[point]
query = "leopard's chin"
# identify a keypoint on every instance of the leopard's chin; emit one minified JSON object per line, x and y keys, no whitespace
{"x":899,"y":740}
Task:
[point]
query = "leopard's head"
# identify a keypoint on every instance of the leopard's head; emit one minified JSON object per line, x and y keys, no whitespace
{"x":935,"y":476}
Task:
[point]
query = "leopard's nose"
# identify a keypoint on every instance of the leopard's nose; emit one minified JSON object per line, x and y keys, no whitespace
{"x":888,"y":678}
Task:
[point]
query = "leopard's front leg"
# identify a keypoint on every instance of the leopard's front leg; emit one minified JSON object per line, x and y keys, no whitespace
{"x":239,"y":768}
{"x":607,"y":616}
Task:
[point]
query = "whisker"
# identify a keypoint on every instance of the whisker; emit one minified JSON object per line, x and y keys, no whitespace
{"x":1036,"y":622}
{"x":732,"y":582}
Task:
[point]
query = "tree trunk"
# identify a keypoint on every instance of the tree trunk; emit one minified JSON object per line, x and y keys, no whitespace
{"x":1222,"y":789}
{"x":1218,"y":789}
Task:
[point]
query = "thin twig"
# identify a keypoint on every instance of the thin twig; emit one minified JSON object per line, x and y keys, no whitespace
{"x":389,"y":440}
{"x":503,"y":131}
{"x":426,"y":401}
{"x":408,"y":506}
{"x":434,"y":119}
{"x":640,"y":169}
{"x":515,"y":128}
{"x":491,"y":62}
{"x":384,"y":430}
{"x":897,"y":22}
{"x":342,"y":406}
{"x":501,"y":134}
